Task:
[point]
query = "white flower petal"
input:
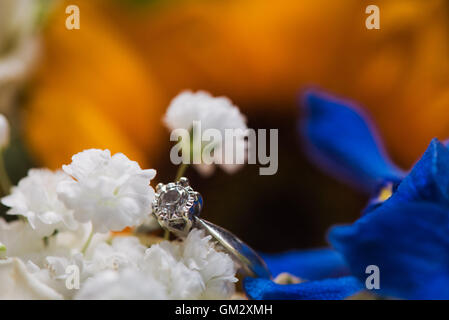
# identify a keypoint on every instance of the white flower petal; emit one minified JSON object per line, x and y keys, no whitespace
{"x":123,"y":252}
{"x":192,"y":269}
{"x":213,"y":113}
{"x":36,"y":199}
{"x":112,"y":192}
{"x":20,"y":239}
{"x":18,"y":283}
{"x":128,"y":284}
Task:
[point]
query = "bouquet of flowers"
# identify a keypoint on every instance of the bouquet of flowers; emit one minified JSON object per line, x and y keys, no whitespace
{"x":103,"y":226}
{"x":76,"y":233}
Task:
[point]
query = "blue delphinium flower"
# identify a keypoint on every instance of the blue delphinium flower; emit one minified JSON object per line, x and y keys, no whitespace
{"x":325,"y":270}
{"x":405,"y":233}
{"x":340,"y":139}
{"x":407,"y":236}
{"x":326,"y":289}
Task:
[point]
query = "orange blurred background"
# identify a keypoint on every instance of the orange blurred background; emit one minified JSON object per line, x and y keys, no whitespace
{"x":108,"y":84}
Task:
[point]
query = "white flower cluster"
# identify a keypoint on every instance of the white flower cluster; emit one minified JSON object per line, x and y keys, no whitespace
{"x":191,"y":269}
{"x":43,"y":254}
{"x":35,"y":199}
{"x":110,"y":191}
{"x":63,"y":245}
{"x":212,"y":113}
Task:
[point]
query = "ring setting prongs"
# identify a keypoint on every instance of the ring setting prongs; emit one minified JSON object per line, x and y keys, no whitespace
{"x":175,"y":206}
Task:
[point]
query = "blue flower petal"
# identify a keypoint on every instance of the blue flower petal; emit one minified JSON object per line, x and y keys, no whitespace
{"x":429,"y":178}
{"x":328,"y":289}
{"x":409,"y":242}
{"x":342,"y":141}
{"x":308,"y":264}
{"x":446,"y":143}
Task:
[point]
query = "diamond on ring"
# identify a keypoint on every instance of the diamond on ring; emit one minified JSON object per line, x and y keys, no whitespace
{"x":175,"y":205}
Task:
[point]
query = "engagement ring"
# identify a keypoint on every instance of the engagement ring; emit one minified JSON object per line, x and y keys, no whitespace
{"x":177,"y":208}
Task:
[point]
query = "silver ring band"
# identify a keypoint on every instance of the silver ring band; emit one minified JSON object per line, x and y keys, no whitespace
{"x":248,"y":259}
{"x":177,"y":208}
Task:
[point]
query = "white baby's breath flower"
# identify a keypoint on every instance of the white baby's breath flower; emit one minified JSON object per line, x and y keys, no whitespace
{"x":212,"y":113}
{"x":128,"y":284}
{"x":35,"y":198}
{"x":112,"y":192}
{"x":19,"y":239}
{"x":4,"y":132}
{"x":216,"y":268}
{"x":192,"y":269}
{"x":18,"y":44}
{"x":164,"y":262}
{"x":75,"y":239}
{"x":53,"y":272}
{"x":123,"y":252}
{"x":17,"y":282}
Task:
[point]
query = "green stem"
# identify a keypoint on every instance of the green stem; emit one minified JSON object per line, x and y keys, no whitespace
{"x":86,"y":245}
{"x":5,"y":183}
{"x":181,"y":170}
{"x":45,"y":239}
